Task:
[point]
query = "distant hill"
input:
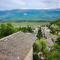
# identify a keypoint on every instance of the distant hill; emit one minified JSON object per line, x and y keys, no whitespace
{"x":29,"y":15}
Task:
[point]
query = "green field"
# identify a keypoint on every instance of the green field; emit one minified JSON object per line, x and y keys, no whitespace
{"x":32,"y":24}
{"x":24,"y":24}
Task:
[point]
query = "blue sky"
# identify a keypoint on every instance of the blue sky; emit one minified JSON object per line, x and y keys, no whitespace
{"x":29,"y":4}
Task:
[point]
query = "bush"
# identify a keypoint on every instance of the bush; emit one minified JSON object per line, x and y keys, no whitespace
{"x":39,"y":34}
{"x":40,"y":46}
{"x":58,"y":41}
{"x":6,"y":29}
{"x":26,"y":29}
{"x":55,"y":27}
{"x":35,"y":57}
{"x":54,"y":54}
{"x":29,"y":29}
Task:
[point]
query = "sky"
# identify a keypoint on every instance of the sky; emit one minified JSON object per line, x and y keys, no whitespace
{"x":29,"y":4}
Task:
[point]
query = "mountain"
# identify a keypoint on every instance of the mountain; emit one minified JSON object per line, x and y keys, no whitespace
{"x":29,"y":15}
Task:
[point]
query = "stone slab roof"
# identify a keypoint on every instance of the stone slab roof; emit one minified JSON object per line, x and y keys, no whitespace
{"x":16,"y":46}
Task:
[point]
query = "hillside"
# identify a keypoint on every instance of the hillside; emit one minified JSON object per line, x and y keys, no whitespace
{"x":57,"y":22}
{"x":29,"y":15}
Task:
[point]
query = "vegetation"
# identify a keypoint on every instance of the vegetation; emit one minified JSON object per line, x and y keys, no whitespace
{"x":25,"y":29}
{"x":39,"y":34}
{"x":54,"y":54}
{"x":55,"y":27}
{"x":40,"y":46}
{"x":58,"y":41}
{"x":7,"y":29}
{"x":32,"y":24}
{"x":57,"y":22}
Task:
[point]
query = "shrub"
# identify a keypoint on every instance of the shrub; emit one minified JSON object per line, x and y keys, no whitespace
{"x":26,"y":29}
{"x":6,"y":29}
{"x":40,"y":46}
{"x":58,"y":41}
{"x":39,"y":34}
{"x":53,"y":55}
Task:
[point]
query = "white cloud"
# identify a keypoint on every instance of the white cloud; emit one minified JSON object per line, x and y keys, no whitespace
{"x":29,"y":4}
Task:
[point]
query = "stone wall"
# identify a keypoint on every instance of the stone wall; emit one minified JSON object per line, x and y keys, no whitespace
{"x":18,"y":46}
{"x":29,"y":55}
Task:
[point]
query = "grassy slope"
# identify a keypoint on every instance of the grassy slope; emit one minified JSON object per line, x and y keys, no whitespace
{"x":57,"y":22}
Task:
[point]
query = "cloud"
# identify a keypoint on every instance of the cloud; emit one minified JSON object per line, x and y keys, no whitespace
{"x":29,"y":4}
{"x":11,"y":4}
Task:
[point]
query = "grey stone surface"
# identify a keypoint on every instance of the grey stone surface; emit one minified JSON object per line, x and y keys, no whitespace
{"x":16,"y":46}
